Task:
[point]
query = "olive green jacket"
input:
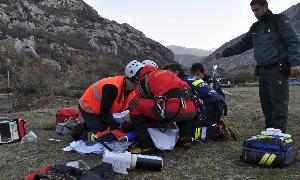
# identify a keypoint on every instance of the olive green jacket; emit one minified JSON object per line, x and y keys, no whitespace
{"x":273,"y":38}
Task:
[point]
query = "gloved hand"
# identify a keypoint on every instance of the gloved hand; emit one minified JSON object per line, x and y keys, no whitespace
{"x":112,"y":124}
{"x":127,"y":127}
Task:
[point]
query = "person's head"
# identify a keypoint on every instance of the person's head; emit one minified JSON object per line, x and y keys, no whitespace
{"x":132,"y":69}
{"x":150,"y":63}
{"x":197,"y":70}
{"x":259,"y":7}
{"x":175,"y":68}
{"x":129,"y":84}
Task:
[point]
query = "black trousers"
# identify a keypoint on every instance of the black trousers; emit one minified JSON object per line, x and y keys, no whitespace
{"x":274,"y":97}
{"x":93,"y":121}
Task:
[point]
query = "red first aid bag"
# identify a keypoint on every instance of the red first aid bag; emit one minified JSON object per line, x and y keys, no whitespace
{"x":66,"y":119}
{"x":64,"y":114}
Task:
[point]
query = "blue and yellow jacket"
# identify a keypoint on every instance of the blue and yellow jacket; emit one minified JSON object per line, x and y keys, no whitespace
{"x":201,"y":88}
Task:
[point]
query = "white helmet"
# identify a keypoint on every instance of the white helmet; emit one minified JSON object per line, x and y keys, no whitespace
{"x":132,"y":68}
{"x":150,"y":63}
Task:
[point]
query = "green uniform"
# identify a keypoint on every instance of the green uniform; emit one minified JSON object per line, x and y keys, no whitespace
{"x":274,"y":40}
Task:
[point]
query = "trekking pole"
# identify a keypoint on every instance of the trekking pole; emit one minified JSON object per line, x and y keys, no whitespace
{"x":103,"y":143}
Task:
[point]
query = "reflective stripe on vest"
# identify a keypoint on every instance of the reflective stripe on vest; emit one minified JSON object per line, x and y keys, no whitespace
{"x":96,"y":93}
{"x":197,"y":133}
{"x":197,"y":82}
{"x":90,"y":110}
{"x":91,"y":99}
{"x":200,"y":133}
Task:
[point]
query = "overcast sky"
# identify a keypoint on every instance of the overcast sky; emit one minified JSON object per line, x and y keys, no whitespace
{"x":203,"y":24}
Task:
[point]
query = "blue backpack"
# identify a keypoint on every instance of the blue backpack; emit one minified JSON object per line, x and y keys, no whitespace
{"x":269,"y":150}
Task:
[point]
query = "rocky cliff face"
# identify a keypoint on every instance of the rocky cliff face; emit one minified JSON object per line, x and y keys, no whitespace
{"x":245,"y":62}
{"x":56,"y":31}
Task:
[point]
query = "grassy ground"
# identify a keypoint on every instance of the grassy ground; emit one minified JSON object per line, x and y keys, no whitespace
{"x":210,"y":160}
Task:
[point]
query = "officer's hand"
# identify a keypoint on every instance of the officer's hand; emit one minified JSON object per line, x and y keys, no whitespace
{"x":218,"y":55}
{"x":295,"y":70}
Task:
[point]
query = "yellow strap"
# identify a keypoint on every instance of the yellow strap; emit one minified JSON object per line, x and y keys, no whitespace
{"x":197,"y":133}
{"x":198,"y":81}
{"x":93,"y":137}
{"x":264,"y":158}
{"x":264,"y":136}
{"x":271,"y":159}
{"x":287,"y":140}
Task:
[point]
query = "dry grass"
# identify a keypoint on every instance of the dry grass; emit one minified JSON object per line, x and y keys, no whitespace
{"x":210,"y":160}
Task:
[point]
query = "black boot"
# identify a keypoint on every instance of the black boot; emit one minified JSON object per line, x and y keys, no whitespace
{"x":144,"y":141}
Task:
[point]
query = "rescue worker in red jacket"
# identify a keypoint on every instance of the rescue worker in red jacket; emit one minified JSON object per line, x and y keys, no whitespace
{"x":161,"y":97}
{"x":102,"y":99}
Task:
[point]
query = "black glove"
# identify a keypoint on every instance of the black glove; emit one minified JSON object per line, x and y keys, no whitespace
{"x":127,"y":127}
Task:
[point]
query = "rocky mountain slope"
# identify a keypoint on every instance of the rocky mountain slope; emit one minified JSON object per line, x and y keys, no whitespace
{"x":57,"y":32}
{"x":245,"y":62}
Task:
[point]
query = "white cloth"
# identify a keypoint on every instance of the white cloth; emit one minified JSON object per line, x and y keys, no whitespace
{"x":276,"y":132}
{"x":165,"y":139}
{"x":83,"y":147}
{"x":119,"y":117}
{"x":119,"y":161}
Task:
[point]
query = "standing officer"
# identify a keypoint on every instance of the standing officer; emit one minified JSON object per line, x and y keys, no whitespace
{"x":277,"y":52}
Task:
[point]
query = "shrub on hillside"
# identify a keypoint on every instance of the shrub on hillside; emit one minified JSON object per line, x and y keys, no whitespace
{"x":36,"y":78}
{"x":7,"y":54}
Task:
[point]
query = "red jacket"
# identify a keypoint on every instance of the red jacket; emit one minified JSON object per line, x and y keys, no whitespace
{"x":159,"y":81}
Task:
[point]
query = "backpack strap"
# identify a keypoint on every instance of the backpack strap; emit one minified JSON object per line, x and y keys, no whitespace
{"x":147,"y":87}
{"x":144,"y":88}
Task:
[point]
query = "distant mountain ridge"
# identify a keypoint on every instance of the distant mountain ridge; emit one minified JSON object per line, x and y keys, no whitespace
{"x":188,"y":59}
{"x":188,"y":56}
{"x":245,"y":62}
{"x":192,"y":51}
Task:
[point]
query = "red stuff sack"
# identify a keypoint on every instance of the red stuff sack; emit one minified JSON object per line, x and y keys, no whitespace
{"x":66,"y":119}
{"x":64,"y":114}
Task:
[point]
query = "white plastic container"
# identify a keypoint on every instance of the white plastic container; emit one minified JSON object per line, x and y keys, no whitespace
{"x":123,"y":161}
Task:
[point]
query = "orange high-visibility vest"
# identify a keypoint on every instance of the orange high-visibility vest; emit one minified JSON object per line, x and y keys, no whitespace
{"x":90,"y":102}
